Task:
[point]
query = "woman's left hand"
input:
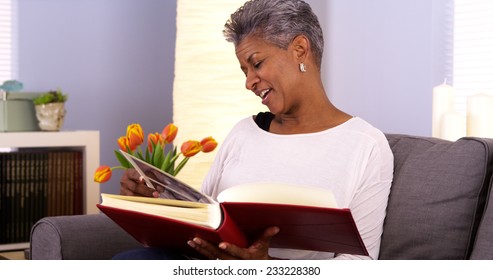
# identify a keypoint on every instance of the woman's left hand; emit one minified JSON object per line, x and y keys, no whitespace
{"x":259,"y":250}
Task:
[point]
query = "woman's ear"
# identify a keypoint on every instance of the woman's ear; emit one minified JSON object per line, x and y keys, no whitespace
{"x":301,"y":46}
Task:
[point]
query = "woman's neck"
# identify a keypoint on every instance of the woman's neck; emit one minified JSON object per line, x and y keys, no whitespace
{"x":321,"y":117}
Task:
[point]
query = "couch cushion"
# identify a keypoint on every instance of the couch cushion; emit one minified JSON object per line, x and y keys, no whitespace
{"x":483,"y":247}
{"x":437,"y":197}
{"x":78,"y":237}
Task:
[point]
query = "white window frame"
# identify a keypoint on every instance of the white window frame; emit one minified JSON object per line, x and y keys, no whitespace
{"x":8,"y":40}
{"x":472,"y":50}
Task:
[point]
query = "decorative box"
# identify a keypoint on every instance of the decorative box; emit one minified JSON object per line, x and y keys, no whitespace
{"x":17,"y":112}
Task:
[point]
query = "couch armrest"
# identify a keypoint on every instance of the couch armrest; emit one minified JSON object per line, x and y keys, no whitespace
{"x":78,"y":237}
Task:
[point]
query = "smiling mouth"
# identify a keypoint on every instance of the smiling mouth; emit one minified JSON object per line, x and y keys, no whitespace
{"x":264,"y":93}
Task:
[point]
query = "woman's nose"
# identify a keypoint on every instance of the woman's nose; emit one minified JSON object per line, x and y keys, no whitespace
{"x":251,"y":81}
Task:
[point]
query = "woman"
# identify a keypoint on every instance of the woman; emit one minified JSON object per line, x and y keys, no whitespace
{"x":303,"y":139}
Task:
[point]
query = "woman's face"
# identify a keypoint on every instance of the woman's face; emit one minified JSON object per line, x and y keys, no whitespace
{"x":271,"y":73}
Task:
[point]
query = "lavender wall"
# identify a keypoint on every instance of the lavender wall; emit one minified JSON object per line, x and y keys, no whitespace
{"x":115,"y":58}
{"x":383,"y":58}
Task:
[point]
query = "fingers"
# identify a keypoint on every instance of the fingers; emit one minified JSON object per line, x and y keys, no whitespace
{"x":131,"y":184}
{"x":236,"y":252}
{"x":132,"y":174}
{"x":259,"y":250}
{"x":207,"y":249}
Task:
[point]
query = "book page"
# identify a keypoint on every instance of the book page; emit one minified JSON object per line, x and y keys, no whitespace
{"x":167,"y":185}
{"x":203,"y":214}
{"x":280,"y":193}
{"x":157,"y":201}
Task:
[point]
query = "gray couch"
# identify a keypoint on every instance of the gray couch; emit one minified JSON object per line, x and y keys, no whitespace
{"x":440,"y":207}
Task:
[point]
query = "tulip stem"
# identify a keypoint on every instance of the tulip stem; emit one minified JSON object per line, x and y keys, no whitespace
{"x":180,"y":166}
{"x":118,"y":167}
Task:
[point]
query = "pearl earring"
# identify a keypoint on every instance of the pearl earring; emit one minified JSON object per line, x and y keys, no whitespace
{"x":302,"y":67}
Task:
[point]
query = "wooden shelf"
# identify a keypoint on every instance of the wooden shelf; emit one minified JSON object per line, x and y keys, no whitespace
{"x":87,"y":140}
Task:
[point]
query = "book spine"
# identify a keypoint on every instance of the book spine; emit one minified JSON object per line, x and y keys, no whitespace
{"x":17,"y":198}
{"x":3,"y":187}
{"x":51,"y":184}
{"x":230,"y":232}
{"x":9,"y":205}
{"x":64,"y":185}
{"x":43,"y":179}
{"x":37,"y":184}
{"x":78,"y":184}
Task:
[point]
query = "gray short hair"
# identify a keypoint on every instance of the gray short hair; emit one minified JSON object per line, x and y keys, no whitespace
{"x":276,"y":21}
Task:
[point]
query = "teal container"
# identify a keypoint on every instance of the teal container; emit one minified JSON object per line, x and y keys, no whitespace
{"x":17,"y":112}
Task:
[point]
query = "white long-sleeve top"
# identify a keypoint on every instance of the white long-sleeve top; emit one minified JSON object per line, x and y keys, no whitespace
{"x":353,"y":160}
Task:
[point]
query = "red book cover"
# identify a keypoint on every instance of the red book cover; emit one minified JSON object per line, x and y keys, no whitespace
{"x":156,"y":231}
{"x":301,"y":227}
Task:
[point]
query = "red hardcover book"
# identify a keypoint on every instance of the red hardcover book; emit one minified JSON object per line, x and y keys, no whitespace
{"x":307,"y":217}
{"x":301,"y":227}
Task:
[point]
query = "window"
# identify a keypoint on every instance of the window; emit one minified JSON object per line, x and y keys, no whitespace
{"x":472,"y":50}
{"x":207,"y":78}
{"x":7,"y":49}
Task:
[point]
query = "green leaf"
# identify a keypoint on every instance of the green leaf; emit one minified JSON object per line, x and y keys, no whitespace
{"x":139,"y":154}
{"x":148,"y":155}
{"x":123,"y":161}
{"x":157,"y":156}
{"x":174,"y":158}
{"x":171,"y":168}
{"x":160,"y":160}
{"x":180,"y":166}
{"x":147,"y":152}
{"x":129,"y":151}
{"x":166,"y":161}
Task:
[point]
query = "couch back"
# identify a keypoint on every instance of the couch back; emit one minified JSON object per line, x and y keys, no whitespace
{"x":438,"y":202}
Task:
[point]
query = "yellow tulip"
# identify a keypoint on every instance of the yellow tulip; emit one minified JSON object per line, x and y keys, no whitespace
{"x":169,"y":133}
{"x":154,"y":138}
{"x":190,"y":148}
{"x":123,"y":143}
{"x":102,"y":174}
{"x":208,"y":144}
{"x":135,"y":136}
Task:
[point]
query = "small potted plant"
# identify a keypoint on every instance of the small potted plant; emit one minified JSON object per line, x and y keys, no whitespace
{"x":50,"y":110}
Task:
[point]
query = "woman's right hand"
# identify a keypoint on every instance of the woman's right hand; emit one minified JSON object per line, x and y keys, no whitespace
{"x":131,"y":183}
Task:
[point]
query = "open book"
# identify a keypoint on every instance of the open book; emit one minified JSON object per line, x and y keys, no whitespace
{"x":308,"y":217}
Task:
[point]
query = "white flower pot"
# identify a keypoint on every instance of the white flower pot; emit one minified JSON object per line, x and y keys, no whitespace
{"x":50,"y":116}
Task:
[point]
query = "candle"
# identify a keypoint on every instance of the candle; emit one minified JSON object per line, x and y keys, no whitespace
{"x":452,"y":126}
{"x":480,"y":115}
{"x":443,"y":102}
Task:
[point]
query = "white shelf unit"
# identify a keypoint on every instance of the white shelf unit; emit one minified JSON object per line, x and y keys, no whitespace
{"x":87,"y":140}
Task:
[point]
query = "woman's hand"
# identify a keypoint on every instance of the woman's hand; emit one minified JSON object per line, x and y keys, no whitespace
{"x":131,"y":183}
{"x":259,"y":250}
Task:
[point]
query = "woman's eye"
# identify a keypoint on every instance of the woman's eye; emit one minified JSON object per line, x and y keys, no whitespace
{"x":257,"y":65}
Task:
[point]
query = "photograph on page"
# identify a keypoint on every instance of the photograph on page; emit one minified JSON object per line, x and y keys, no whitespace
{"x":167,"y":185}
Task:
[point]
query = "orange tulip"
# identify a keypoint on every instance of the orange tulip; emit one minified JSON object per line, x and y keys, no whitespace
{"x":135,"y":136}
{"x":123,"y":143}
{"x":190,"y":148}
{"x":154,"y":138}
{"x":208,"y":144}
{"x":102,"y":174}
{"x":169,"y":133}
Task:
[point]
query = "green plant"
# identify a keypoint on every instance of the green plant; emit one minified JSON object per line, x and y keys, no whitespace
{"x":50,"y":97}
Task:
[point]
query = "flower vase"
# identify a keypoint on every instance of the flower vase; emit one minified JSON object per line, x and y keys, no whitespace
{"x":50,"y":116}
